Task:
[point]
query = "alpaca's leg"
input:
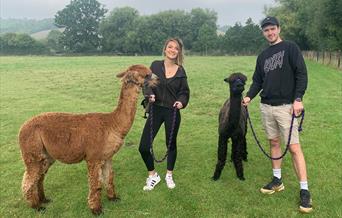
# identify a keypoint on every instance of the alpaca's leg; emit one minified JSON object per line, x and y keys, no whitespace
{"x":46,"y":163}
{"x":237,"y":144}
{"x":30,"y":184}
{"x":244,"y":148}
{"x":221,"y":156}
{"x":108,"y":180}
{"x":94,"y":196}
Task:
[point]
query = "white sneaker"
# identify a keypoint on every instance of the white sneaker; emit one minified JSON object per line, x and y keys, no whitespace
{"x":151,"y":182}
{"x":169,"y":182}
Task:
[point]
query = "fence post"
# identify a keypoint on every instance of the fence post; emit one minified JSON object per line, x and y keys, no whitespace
{"x":317,"y":56}
{"x":329,"y":57}
{"x":339,"y":58}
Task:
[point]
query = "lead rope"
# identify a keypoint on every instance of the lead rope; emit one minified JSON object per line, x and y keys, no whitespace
{"x":170,"y":138}
{"x":289,"y":138}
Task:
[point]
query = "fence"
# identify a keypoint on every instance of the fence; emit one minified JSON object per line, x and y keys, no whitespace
{"x":324,"y":57}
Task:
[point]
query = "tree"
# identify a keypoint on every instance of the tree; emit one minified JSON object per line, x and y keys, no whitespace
{"x":244,"y":40}
{"x":198,"y":18}
{"x":81,"y":20}
{"x":118,"y":30}
{"x":293,"y":19}
{"x":317,"y":25}
{"x":206,"y":40}
{"x":54,"y":40}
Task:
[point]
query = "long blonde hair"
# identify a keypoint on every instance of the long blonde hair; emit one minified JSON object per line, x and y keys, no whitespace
{"x":180,"y":56}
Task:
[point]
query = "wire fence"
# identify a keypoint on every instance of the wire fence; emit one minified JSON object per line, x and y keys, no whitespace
{"x":325,"y":57}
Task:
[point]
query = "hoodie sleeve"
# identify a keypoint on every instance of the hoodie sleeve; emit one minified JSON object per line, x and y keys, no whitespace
{"x":184,"y":93}
{"x":256,"y":86}
{"x":300,"y":72}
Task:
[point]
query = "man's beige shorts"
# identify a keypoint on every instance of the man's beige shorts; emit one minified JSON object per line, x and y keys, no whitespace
{"x":277,"y":122}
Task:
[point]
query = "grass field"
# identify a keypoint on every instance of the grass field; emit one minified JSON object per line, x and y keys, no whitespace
{"x":31,"y":85}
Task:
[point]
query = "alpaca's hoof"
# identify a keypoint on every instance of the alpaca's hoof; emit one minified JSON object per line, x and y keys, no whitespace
{"x":97,"y":211}
{"x":215,"y":177}
{"x":241,"y":178}
{"x":114,"y":199}
{"x":46,"y":200}
{"x":41,"y":209}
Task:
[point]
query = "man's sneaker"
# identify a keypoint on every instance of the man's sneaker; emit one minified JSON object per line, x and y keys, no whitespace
{"x":151,"y":182}
{"x":276,"y":185}
{"x":305,"y":201}
{"x":169,"y":182}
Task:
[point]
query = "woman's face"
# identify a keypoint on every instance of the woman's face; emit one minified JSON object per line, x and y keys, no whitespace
{"x":171,"y":50}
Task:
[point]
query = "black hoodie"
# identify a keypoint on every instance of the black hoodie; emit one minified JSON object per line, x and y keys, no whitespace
{"x":280,"y":73}
{"x":169,"y":90}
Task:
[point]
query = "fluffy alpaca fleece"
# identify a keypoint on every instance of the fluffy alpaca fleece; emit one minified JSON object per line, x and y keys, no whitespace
{"x":71,"y":138}
{"x":232,"y":124}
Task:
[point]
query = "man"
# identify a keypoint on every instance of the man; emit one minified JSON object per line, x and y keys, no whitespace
{"x":281,"y":76}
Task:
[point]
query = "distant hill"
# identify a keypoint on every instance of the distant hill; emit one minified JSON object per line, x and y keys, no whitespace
{"x":28,"y":26}
{"x":43,"y":34}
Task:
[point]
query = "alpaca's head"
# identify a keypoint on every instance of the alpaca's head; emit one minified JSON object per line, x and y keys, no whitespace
{"x":138,"y":75}
{"x":236,"y":83}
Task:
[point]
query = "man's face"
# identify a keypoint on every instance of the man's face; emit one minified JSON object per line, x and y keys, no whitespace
{"x":271,"y":33}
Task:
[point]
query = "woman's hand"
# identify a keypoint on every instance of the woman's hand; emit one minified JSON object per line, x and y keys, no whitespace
{"x":152,"y":98}
{"x":246,"y":101}
{"x":178,"y":105}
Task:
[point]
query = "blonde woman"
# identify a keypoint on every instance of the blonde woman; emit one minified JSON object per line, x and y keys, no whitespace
{"x":171,"y":92}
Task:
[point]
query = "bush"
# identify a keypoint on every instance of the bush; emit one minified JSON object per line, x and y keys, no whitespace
{"x":21,"y":44}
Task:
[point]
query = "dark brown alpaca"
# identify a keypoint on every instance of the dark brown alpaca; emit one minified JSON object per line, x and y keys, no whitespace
{"x":232,"y":124}
{"x":71,"y":138}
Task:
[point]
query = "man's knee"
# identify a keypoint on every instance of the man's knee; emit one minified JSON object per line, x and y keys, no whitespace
{"x":295,"y":148}
{"x":275,"y":143}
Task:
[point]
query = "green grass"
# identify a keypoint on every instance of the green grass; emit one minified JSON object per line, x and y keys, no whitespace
{"x":31,"y":85}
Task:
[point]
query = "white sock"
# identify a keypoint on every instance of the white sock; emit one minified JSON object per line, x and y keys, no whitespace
{"x":277,"y":173}
{"x":169,"y":174}
{"x":304,"y":185}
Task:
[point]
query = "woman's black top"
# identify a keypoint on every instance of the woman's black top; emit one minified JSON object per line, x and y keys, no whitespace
{"x":169,"y":90}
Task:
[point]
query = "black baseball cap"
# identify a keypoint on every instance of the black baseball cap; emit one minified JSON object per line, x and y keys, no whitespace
{"x":269,"y":21}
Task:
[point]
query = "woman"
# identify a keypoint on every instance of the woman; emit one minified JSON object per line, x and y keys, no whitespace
{"x":172,"y":93}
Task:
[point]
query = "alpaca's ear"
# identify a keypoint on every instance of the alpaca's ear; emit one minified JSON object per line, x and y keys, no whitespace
{"x":130,"y":75}
{"x":122,"y":74}
{"x":243,"y":77}
{"x":226,"y":80}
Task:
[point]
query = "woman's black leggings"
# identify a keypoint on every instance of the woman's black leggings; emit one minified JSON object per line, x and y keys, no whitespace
{"x":160,"y":115}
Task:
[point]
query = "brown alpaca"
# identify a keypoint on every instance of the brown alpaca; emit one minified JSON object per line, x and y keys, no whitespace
{"x":71,"y":138}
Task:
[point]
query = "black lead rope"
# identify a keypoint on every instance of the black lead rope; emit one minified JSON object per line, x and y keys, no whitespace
{"x":289,"y":138}
{"x":170,"y":138}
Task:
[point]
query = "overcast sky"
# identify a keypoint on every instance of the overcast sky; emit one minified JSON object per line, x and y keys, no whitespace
{"x":229,"y":11}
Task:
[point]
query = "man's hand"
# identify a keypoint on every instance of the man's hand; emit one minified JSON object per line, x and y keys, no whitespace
{"x":178,"y":104}
{"x":246,"y":101}
{"x":298,"y":107}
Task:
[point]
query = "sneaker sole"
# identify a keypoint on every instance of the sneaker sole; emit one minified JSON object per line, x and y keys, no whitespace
{"x":170,"y":187}
{"x":305,"y":209}
{"x":269,"y":192}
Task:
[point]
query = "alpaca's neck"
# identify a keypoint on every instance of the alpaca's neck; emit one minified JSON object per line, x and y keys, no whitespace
{"x":124,"y":114}
{"x":235,"y":108}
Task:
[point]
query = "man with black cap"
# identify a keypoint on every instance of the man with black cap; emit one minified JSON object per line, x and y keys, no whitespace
{"x":281,"y":76}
